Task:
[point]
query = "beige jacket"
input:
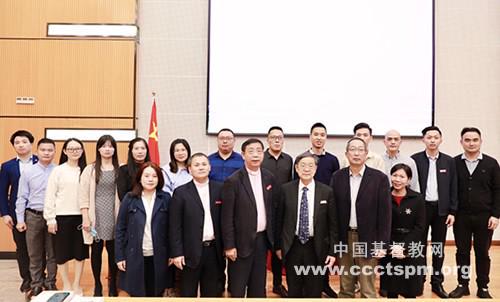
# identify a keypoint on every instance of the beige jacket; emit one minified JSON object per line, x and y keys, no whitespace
{"x":86,"y":198}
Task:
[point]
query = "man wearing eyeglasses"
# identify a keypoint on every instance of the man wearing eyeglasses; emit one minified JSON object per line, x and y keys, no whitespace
{"x":225,"y":161}
{"x":247,"y":223}
{"x":280,"y":165}
{"x":306,"y":230}
{"x":364,"y":210}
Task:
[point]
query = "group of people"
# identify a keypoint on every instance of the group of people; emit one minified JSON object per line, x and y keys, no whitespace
{"x":202,"y":221}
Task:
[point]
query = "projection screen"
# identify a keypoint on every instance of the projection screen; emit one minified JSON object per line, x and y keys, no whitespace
{"x":295,"y":62}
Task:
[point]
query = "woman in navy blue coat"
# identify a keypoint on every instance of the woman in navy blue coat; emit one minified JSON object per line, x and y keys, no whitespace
{"x":141,"y":235}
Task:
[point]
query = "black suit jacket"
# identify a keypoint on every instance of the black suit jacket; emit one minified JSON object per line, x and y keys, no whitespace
{"x":187,"y":218}
{"x":373,"y":206}
{"x":239,"y":211}
{"x":446,"y":179}
{"x":324,"y":219}
{"x":479,"y":192}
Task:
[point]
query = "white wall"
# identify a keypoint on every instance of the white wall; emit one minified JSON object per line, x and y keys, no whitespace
{"x":172,"y":61}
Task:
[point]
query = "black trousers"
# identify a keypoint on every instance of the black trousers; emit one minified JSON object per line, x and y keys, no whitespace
{"x":300,"y":286}
{"x":149,"y":277}
{"x":438,"y":227}
{"x":248,"y":275}
{"x":23,"y":259}
{"x":468,"y":227}
{"x":96,"y":262}
{"x":205,"y":274}
{"x":277,"y":269}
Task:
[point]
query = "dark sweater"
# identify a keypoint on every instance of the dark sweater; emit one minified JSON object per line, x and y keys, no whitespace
{"x":328,"y":163}
{"x":479,"y":192}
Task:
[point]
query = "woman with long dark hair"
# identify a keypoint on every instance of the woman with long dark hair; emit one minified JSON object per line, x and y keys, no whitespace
{"x":142,"y":235}
{"x":176,"y":172}
{"x":62,"y":212}
{"x":99,"y":204}
{"x":138,"y":153}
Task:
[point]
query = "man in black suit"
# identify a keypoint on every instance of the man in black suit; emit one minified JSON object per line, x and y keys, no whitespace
{"x":306,"y":228}
{"x":438,"y":184}
{"x":478,"y":212}
{"x":364,"y":210}
{"x":247,"y":223}
{"x":194,"y":229}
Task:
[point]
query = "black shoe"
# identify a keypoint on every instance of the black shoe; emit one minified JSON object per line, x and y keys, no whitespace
{"x":460,"y":291}
{"x":98,"y":290}
{"x":329,"y":292}
{"x":281,"y":291}
{"x":483,"y":293}
{"x":439,"y":291}
{"x":113,"y":292}
{"x":35,"y":292}
{"x":25,"y":286}
{"x":382,"y":293}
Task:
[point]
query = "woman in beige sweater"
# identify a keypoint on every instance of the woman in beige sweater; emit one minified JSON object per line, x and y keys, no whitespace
{"x":99,"y":205}
{"x":62,"y":212}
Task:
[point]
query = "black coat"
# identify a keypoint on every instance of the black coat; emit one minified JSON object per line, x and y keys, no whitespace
{"x":324,"y":219}
{"x":408,"y":227}
{"x":187,"y":218}
{"x":446,"y":179}
{"x":239,"y":211}
{"x":124,"y":182}
{"x":128,"y":243}
{"x":373,"y":206}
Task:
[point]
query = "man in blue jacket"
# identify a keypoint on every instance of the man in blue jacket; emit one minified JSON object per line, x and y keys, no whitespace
{"x":10,"y":172}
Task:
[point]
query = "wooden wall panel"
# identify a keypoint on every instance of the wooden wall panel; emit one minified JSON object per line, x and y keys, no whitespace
{"x":37,"y":127}
{"x":68,"y":77}
{"x":29,"y":18}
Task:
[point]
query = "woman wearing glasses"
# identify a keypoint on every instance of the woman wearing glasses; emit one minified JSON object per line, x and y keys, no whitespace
{"x":99,"y":204}
{"x":62,"y":212}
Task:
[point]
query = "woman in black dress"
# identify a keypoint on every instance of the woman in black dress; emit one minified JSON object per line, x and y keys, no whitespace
{"x":405,"y":262}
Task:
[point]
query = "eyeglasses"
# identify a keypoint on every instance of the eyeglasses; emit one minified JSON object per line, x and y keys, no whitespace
{"x":73,"y":150}
{"x":254,"y":151}
{"x":276,"y":137}
{"x":304,"y":165}
{"x":354,"y":149}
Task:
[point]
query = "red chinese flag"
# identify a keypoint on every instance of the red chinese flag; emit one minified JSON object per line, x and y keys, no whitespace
{"x":154,"y":151}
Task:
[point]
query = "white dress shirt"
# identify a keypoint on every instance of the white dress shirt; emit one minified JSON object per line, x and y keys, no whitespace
{"x":24,"y":164}
{"x":354,"y":183}
{"x":472,"y":164}
{"x":147,"y":240}
{"x":431,"y":192}
{"x":310,"y":206}
{"x":204,"y":193}
{"x":258,"y":192}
